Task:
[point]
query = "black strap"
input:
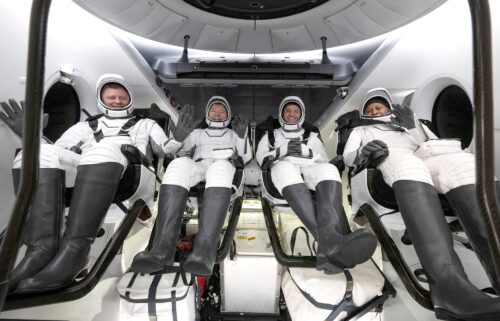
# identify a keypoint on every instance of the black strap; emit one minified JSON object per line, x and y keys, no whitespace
{"x":294,"y":238}
{"x":270,"y":137}
{"x":344,"y":305}
{"x":130,"y":283}
{"x":93,"y":124}
{"x":98,"y":135}
{"x":174,"y":306}
{"x":130,"y":123}
{"x":152,"y":297}
{"x":305,"y":137}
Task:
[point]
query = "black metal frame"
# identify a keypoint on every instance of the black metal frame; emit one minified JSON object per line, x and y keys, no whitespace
{"x":80,"y":288}
{"x":417,"y":292}
{"x":227,"y":240}
{"x":282,"y":258}
{"x":31,"y":142}
{"x":483,"y":100}
{"x":310,"y":262}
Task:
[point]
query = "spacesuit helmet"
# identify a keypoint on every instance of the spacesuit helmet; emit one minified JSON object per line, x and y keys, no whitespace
{"x":217,"y":122}
{"x":123,"y":108}
{"x":295,"y":125}
{"x":380,"y":96}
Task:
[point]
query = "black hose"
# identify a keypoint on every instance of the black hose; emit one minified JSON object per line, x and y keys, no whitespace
{"x":483,"y":101}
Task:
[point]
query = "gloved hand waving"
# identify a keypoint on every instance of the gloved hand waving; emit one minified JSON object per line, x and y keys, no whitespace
{"x":404,"y":116}
{"x":372,"y":154}
{"x":186,"y":123}
{"x":14,"y":115}
{"x":239,"y":125}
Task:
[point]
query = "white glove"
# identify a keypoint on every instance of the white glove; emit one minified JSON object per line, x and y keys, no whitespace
{"x":306,"y":151}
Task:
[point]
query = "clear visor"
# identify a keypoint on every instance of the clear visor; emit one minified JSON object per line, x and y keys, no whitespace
{"x":217,"y":112}
{"x":115,"y":97}
{"x":291,"y":114}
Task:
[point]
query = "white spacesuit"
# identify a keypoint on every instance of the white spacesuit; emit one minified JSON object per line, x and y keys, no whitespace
{"x":90,"y":151}
{"x":418,"y":165}
{"x":299,"y":163}
{"x":212,"y":150}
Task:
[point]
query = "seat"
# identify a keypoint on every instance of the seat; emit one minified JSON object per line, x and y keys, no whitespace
{"x":130,"y":200}
{"x":373,"y":202}
{"x":194,"y":205}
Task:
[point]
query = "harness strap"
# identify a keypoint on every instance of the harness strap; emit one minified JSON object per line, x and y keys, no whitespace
{"x":98,"y":135}
{"x":152,"y":297}
{"x":344,"y":305}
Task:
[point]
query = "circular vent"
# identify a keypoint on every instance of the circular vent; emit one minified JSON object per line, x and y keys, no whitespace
{"x":255,"y":9}
{"x":453,"y":116}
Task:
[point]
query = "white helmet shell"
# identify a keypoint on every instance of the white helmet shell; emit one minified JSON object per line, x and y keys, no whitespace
{"x":222,"y":101}
{"x":114,"y":113}
{"x":383,"y":95}
{"x":296,"y":126}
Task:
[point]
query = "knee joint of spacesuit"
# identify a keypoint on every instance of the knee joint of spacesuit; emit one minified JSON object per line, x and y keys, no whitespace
{"x":220,"y":174}
{"x":49,"y":157}
{"x":405,"y":167}
{"x":327,"y":172}
{"x":178,"y":172}
{"x":104,"y":152}
{"x":458,"y":170}
{"x":284,"y":173}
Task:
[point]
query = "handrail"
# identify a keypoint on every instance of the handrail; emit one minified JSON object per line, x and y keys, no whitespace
{"x":31,"y":141}
{"x":80,"y":288}
{"x":227,"y":240}
{"x":483,"y":102}
{"x":281,"y":257}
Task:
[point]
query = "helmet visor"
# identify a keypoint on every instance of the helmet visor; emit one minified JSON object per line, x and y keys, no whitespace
{"x":217,"y":112}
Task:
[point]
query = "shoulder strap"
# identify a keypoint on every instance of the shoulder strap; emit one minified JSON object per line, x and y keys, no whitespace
{"x":305,"y":137}
{"x":152,"y":297}
{"x":93,"y":124}
{"x":270,"y":137}
{"x":129,"y":124}
{"x":344,"y":305}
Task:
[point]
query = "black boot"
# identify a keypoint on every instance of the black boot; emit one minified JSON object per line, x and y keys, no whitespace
{"x":465,"y":206}
{"x":336,"y":243}
{"x":43,"y":225}
{"x":334,"y":249}
{"x":171,"y":205}
{"x":452,"y":294}
{"x":95,"y":189}
{"x":215,"y":205}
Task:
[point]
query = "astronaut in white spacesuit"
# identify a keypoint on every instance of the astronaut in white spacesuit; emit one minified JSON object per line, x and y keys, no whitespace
{"x":298,"y":162}
{"x":417,"y":166}
{"x":90,"y":151}
{"x":212,"y":149}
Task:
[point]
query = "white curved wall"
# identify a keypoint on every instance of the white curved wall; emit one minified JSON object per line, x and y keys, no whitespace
{"x":74,"y":37}
{"x":423,"y":57}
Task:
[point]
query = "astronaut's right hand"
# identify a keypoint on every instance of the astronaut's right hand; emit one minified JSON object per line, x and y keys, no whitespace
{"x":14,"y":115}
{"x":185,"y":125}
{"x":294,"y":148}
{"x":372,"y":154}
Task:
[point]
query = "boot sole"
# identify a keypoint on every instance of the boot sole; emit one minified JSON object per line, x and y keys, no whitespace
{"x":355,"y":251}
{"x":196,"y":268}
{"x":327,"y":267}
{"x":443,"y":314}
